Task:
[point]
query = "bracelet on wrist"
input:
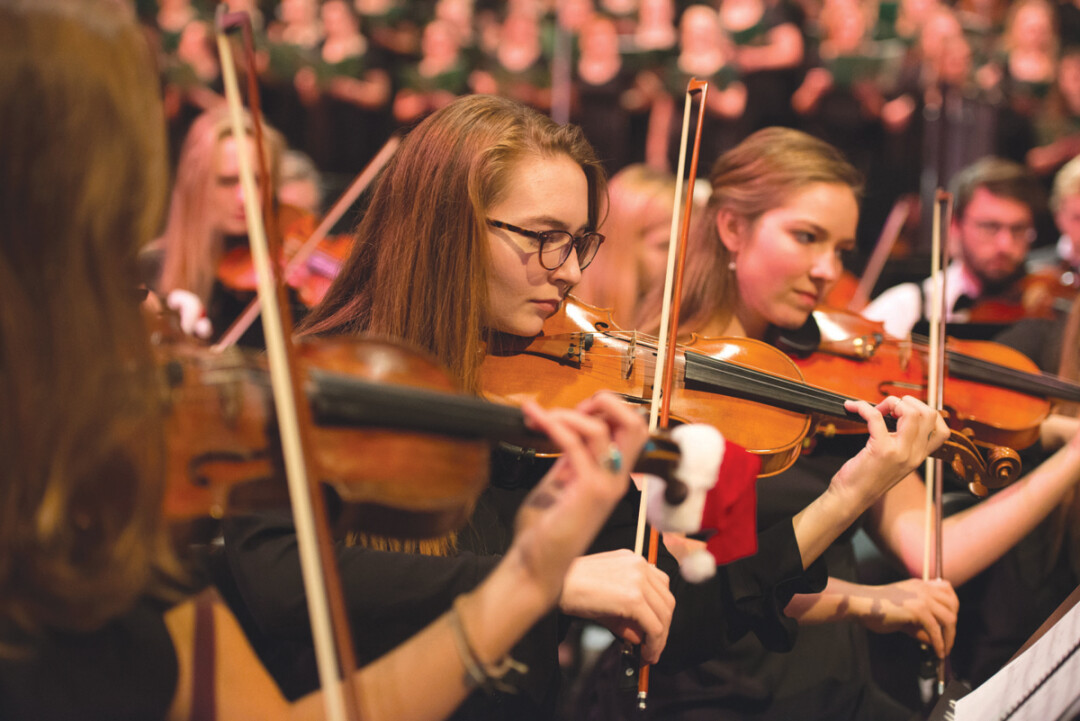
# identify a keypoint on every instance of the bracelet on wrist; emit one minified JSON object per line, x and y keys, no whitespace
{"x":488,"y":677}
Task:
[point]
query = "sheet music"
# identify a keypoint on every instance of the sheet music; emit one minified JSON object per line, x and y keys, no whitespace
{"x":1042,"y":683}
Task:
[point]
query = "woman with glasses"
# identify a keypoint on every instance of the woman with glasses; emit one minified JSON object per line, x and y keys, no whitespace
{"x":997,"y":203}
{"x":475,"y":233}
{"x":783,"y":208}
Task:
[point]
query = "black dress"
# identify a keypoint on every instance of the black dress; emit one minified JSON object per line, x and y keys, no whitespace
{"x":391,"y":596}
{"x":125,"y":671}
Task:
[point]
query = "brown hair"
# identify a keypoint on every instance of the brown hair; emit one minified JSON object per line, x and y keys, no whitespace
{"x":83,"y":183}
{"x":192,"y":247}
{"x":1000,"y":177}
{"x":418,"y":269}
{"x":758,"y":175}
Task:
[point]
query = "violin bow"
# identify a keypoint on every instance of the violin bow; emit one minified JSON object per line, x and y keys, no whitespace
{"x":935,"y":396}
{"x":322,"y":582}
{"x":664,"y":372}
{"x":359,"y":184}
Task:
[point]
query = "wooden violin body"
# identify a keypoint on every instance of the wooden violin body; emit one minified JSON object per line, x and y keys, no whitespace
{"x":399,"y":481}
{"x":311,"y":279}
{"x":1046,"y":293}
{"x":752,"y":392}
{"x":581,"y":352}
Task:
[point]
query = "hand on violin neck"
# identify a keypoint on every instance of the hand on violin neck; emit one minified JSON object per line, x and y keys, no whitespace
{"x":888,"y":455}
{"x":622,"y":592}
{"x":627,"y":427}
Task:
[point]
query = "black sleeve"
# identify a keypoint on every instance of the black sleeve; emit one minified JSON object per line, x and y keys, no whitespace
{"x":746,"y":596}
{"x":389,"y":597}
{"x":382,"y":588}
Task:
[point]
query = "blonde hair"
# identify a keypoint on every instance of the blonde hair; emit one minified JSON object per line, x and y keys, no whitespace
{"x":191,"y":245}
{"x":1066,"y":183}
{"x":84,"y":177}
{"x":635,"y":194}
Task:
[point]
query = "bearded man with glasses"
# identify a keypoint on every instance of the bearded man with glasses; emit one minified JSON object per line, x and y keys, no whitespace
{"x":992,"y":228}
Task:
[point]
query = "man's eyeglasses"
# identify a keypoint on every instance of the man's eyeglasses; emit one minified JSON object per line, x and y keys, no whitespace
{"x":555,"y":245}
{"x":991,"y":229}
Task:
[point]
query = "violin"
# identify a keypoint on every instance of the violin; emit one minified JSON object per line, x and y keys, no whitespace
{"x":1047,"y":293}
{"x":1050,"y":292}
{"x":311,"y":279}
{"x":996,"y":391}
{"x":405,"y":451}
{"x":749,"y":390}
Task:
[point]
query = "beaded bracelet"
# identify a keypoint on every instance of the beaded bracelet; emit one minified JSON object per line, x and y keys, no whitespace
{"x":488,"y":677}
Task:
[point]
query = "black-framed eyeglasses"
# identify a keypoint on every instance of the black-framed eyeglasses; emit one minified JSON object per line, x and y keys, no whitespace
{"x":555,"y":245}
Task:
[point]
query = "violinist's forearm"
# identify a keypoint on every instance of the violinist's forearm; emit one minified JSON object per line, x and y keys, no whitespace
{"x":976,"y":537}
{"x":425,"y":677}
{"x":837,"y":602}
{"x":821,"y":522}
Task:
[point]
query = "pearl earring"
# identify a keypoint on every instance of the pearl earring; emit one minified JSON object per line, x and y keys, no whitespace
{"x":731,"y":265}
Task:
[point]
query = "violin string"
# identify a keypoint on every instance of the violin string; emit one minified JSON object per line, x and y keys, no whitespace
{"x":1018,"y":380}
{"x":762,"y":386}
{"x":766,"y":387}
{"x":1015,"y":379}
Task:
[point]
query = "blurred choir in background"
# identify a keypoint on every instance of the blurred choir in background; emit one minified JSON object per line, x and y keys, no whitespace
{"x":910,"y":90}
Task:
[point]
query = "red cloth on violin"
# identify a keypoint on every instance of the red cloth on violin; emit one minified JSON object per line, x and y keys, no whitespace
{"x":731,"y":506}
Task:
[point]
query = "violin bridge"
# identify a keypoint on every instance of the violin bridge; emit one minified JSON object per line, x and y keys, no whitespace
{"x":905,"y":353}
{"x":629,"y":357}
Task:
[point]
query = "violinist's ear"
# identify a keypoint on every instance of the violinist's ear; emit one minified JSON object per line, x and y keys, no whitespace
{"x":731,"y":227}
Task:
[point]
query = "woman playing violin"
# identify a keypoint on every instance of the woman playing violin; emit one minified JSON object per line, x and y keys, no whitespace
{"x":783,"y":209}
{"x":475,"y":233}
{"x":92,"y":624}
{"x":206,"y":219}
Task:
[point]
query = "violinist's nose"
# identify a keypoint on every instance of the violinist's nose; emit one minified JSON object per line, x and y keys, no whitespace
{"x":570,"y":271}
{"x":826,"y":265}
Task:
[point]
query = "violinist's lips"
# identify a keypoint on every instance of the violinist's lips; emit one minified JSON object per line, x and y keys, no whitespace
{"x":549,"y":306}
{"x":809,"y":298}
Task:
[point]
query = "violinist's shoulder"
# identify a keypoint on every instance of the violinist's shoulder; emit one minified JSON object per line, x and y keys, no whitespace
{"x":899,"y":308}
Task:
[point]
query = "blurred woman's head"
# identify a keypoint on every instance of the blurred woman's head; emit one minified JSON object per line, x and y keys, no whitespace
{"x":84,"y":170}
